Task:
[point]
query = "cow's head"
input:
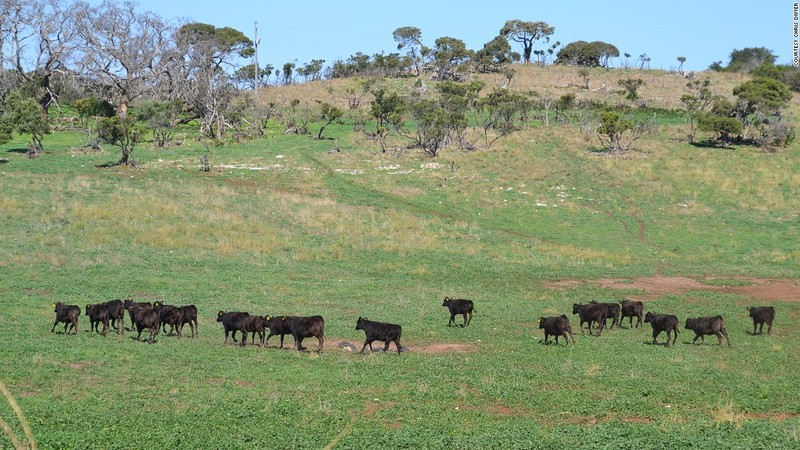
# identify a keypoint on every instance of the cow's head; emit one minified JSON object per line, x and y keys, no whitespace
{"x":360,"y":324}
{"x":219,"y":316}
{"x":648,"y":318}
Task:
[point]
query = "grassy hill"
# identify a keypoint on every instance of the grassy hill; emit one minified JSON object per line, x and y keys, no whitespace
{"x":526,"y":228}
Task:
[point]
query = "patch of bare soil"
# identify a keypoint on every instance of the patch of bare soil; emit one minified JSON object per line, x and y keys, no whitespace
{"x":432,"y":349}
{"x":238,"y":182}
{"x":637,"y":419}
{"x":659,"y":286}
{"x":444,"y":348}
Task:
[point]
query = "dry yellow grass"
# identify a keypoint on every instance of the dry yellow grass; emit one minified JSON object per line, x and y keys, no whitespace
{"x":661,"y":88}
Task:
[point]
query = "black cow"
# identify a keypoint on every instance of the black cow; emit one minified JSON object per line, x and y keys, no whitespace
{"x":277,"y":325}
{"x":97,"y":314}
{"x":68,"y":314}
{"x":612,"y":312}
{"x":116,"y":314}
{"x":379,"y":331}
{"x":189,"y":316}
{"x":631,"y":309}
{"x":256,"y":324}
{"x":591,"y":313}
{"x":169,"y":315}
{"x":663,"y":322}
{"x":303,"y":327}
{"x":459,"y":306}
{"x":762,"y":315}
{"x":145,"y":317}
{"x":130,"y":305}
{"x":556,"y":326}
{"x":234,"y":321}
{"x":706,"y":326}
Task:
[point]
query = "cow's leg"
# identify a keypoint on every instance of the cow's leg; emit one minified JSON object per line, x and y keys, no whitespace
{"x":465,"y":320}
{"x":225,"y":342}
{"x":321,"y":340}
{"x":546,"y":337}
{"x":53,"y":330}
{"x":396,"y":344}
{"x":470,"y":317}
{"x":769,"y":328}
{"x":696,"y":337}
{"x":724,"y":332}
{"x":655,"y":337}
{"x":452,"y":320}
{"x":366,"y":342}
{"x":570,"y":335}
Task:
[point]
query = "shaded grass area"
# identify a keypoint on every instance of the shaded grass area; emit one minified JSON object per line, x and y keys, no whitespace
{"x":360,"y":234}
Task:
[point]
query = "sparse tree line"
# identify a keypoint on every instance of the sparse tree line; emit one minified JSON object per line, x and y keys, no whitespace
{"x":127,"y":74}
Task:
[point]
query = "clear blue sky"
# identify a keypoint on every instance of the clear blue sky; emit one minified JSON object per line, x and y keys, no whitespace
{"x":702,"y":31}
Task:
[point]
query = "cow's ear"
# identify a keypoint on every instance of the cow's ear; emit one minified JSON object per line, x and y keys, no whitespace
{"x":267,"y":317}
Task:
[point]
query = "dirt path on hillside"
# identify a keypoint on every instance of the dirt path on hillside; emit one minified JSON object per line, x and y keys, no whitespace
{"x":659,"y":286}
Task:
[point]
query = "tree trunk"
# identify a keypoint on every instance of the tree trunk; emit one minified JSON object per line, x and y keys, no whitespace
{"x":122,"y":112}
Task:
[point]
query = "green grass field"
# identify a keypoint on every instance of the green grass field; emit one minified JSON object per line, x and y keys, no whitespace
{"x":279,"y":226}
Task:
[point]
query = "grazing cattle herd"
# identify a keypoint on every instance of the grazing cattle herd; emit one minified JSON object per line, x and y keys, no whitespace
{"x":155,"y":317}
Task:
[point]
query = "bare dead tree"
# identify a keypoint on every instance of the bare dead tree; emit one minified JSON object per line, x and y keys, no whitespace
{"x":123,"y":46}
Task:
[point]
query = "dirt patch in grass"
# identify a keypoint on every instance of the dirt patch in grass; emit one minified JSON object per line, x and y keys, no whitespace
{"x":659,"y":286}
{"x":238,"y":182}
{"x":39,"y":292}
{"x":443,"y":348}
{"x":431,"y":349}
{"x":637,"y":419}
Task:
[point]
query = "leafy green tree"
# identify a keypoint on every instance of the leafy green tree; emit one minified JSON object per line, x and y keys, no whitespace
{"x":288,"y":68}
{"x":450,"y":57}
{"x":23,"y":115}
{"x":746,"y":60}
{"x":311,"y":71}
{"x":617,"y":133}
{"x":124,"y":133}
{"x":526,"y":33}
{"x":505,"y":112}
{"x":494,"y":55}
{"x":681,"y":60}
{"x":699,"y":100}
{"x":328,"y":114}
{"x":161,"y":118}
{"x":433,"y":125}
{"x":759,"y":105}
{"x":587,"y":54}
{"x":244,"y":77}
{"x":410,"y":38}
{"x":545,"y":54}
{"x":631,"y":86}
{"x":93,"y":107}
{"x":724,"y":127}
{"x":765,"y":94}
{"x":387,"y":110}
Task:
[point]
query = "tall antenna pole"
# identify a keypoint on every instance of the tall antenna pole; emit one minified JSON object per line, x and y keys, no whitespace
{"x":255,"y":75}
